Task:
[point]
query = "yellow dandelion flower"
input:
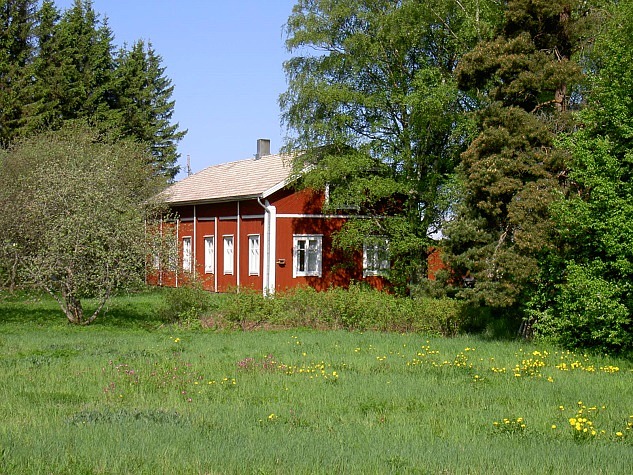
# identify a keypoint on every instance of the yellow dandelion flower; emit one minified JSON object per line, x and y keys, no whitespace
{"x":553,"y":426}
{"x":619,"y":434}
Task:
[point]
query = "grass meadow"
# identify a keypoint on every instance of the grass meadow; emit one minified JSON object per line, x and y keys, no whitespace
{"x":130,"y":394}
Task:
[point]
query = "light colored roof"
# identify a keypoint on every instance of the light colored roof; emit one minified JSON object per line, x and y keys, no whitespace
{"x":242,"y":179}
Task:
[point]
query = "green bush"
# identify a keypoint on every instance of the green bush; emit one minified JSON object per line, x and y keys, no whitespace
{"x":186,"y":304}
{"x":588,"y":312}
{"x":357,"y":308}
{"x":247,"y":308}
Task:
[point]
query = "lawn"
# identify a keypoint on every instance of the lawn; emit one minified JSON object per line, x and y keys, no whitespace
{"x":132,"y":395}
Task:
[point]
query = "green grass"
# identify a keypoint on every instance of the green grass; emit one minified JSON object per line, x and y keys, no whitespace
{"x":131,"y":395}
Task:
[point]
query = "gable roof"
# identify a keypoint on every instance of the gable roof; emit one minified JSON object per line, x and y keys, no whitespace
{"x":243,"y":179}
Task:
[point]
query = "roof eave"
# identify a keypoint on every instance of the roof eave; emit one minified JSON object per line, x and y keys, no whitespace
{"x":282,"y":184}
{"x":223,"y":199}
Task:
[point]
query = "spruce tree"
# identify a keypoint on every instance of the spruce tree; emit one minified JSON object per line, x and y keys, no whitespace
{"x":84,"y":50}
{"x":144,"y":101}
{"x":16,"y":55}
{"x":43,"y":109}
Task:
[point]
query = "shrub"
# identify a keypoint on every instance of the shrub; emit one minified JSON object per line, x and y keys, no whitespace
{"x":589,"y":312}
{"x":247,"y":308}
{"x":356,"y":308}
{"x":186,"y":304}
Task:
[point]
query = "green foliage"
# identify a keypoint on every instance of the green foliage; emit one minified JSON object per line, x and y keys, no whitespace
{"x":585,"y":295}
{"x":364,"y":402}
{"x":186,"y":304}
{"x":74,"y":205}
{"x":57,"y":67}
{"x":589,"y":312}
{"x":356,"y":308}
{"x":510,"y":173}
{"x":386,"y":122}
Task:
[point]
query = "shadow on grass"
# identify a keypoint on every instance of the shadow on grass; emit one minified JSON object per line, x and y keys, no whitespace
{"x":140,"y":310}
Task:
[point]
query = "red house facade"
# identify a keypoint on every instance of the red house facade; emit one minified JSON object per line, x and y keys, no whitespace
{"x":244,"y":225}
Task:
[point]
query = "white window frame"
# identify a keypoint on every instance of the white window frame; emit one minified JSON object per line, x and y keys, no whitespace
{"x":209,"y":254}
{"x":187,"y":254}
{"x":253,"y":254}
{"x":228,"y":241}
{"x":375,"y":264}
{"x":300,"y":253}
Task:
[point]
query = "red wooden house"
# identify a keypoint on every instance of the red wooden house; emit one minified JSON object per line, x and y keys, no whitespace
{"x":243,"y":225}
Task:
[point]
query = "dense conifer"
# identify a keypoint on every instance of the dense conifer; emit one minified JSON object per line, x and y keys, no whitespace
{"x":144,"y":100}
{"x":525,"y":80}
{"x":16,"y":56}
{"x":60,"y":66}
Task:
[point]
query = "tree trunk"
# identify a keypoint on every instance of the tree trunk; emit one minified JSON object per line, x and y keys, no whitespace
{"x":14,"y":272}
{"x":73,"y":309}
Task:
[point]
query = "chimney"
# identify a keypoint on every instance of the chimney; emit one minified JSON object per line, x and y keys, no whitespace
{"x":263,"y":148}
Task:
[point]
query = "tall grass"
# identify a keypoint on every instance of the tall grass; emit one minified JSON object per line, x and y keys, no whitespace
{"x":137,"y":396}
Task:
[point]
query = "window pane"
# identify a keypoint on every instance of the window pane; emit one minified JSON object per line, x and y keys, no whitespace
{"x":301,"y":255}
{"x":376,"y":258}
{"x":186,"y":254}
{"x":253,"y":255}
{"x":313,"y":256}
{"x":209,"y":255}
{"x":307,"y":255}
{"x":228,"y":254}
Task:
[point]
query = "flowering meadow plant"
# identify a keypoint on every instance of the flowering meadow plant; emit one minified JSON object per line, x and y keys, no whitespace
{"x":172,"y":399}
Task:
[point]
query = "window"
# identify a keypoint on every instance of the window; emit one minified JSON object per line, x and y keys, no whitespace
{"x":307,"y":251}
{"x":156,"y":260}
{"x":172,"y":257}
{"x":376,"y":258}
{"x":253,"y":254}
{"x":228,"y":255}
{"x":186,"y":254}
{"x":209,"y":255}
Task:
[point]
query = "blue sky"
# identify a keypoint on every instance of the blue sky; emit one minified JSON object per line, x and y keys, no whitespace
{"x":225,"y":61}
